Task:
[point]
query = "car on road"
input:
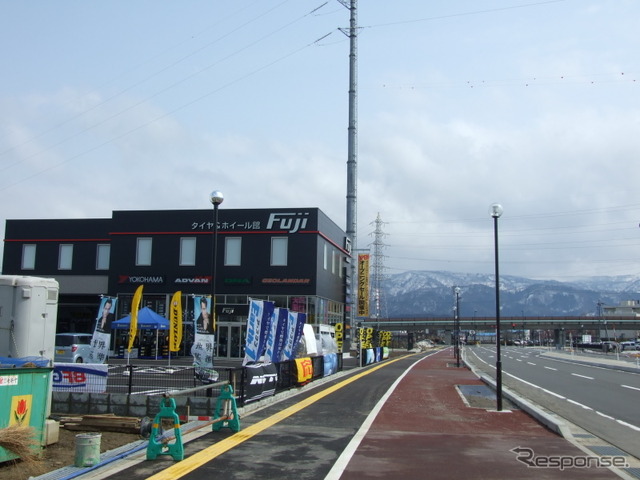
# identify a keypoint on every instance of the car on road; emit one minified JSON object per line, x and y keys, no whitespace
{"x":72,"y":347}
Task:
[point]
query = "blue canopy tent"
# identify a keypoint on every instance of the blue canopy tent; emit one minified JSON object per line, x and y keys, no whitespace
{"x":147,"y":320}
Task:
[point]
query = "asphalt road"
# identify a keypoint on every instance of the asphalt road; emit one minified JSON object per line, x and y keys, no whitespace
{"x":603,"y":401}
{"x":300,"y":437}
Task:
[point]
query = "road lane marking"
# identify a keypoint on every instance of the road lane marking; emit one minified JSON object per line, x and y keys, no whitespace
{"x":582,"y":376}
{"x":198,"y":459}
{"x":633,"y":427}
{"x":608,"y":417}
{"x":632,"y":388}
{"x":531,"y":363}
{"x":586,"y":407}
{"x":579,"y":404}
{"x":551,"y":368}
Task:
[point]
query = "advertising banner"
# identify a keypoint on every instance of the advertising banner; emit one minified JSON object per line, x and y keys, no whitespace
{"x":277,"y":335}
{"x":295,"y":326}
{"x":330,"y":363}
{"x":102,"y":333}
{"x":78,"y":377}
{"x":258,"y":330}
{"x":175,"y":322}
{"x":363,"y":285}
{"x":135,"y":306}
{"x":204,"y":339}
{"x":261,"y":381}
{"x":304,"y":370}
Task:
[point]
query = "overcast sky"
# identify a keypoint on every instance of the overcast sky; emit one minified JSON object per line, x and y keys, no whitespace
{"x":152,"y":104}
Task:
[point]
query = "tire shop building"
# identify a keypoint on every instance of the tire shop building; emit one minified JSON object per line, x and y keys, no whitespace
{"x":295,"y":257}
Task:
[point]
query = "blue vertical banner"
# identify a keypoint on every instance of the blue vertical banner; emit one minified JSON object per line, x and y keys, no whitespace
{"x":295,"y":326}
{"x":265,"y":327}
{"x":276,"y":336}
{"x":254,"y":329}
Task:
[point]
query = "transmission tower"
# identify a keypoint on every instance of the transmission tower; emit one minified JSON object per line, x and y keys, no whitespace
{"x":377,"y":274}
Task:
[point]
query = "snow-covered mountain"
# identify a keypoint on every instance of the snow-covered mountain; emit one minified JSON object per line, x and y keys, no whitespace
{"x":430,"y":293}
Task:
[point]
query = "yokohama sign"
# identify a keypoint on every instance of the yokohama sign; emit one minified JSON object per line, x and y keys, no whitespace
{"x":141,"y":279}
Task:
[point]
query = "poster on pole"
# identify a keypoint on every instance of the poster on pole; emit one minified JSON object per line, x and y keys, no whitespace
{"x":101,"y":339}
{"x":203,"y":348}
{"x":363,"y":285}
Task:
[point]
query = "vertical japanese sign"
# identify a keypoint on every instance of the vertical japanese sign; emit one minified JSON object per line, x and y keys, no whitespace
{"x":258,"y":329}
{"x":363,"y":285}
{"x":102,"y":333}
{"x":253,"y":331}
{"x":277,"y":335}
{"x":133,"y":326}
{"x":175,"y":322}
{"x":204,"y":341}
{"x":295,"y":326}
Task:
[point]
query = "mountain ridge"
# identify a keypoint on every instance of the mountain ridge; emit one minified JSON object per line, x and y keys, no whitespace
{"x":430,"y":293}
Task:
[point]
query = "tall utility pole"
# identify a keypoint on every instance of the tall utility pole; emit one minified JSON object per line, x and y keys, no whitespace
{"x":352,"y":152}
{"x":377,"y":276}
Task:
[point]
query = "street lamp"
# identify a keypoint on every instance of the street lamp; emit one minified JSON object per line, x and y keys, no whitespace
{"x":457,"y":326}
{"x":496,"y":211}
{"x":216,"y":199}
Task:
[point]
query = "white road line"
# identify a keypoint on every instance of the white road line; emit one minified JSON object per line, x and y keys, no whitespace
{"x":531,"y":363}
{"x":551,"y":368}
{"x":579,"y":404}
{"x":633,"y":427}
{"x":343,"y":460}
{"x":553,"y":393}
{"x":608,"y":417}
{"x":582,"y":376}
{"x":632,"y":388}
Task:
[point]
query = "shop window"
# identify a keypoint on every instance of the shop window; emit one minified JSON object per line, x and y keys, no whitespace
{"x":143,"y":251}
{"x":65,"y":257}
{"x":103,"y":254}
{"x":232,"y":251}
{"x":187,"y":251}
{"x":28,"y":257}
{"x":326,"y":256}
{"x":279,"y":247}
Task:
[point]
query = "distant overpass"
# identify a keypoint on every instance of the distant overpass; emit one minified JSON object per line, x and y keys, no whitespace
{"x":519,"y":322}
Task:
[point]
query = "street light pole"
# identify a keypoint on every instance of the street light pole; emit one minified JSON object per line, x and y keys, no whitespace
{"x":496,"y":211}
{"x":457,"y":326}
{"x":216,"y":199}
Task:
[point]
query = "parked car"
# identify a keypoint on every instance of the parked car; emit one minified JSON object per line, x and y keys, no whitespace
{"x":72,"y":347}
{"x":630,"y":345}
{"x":609,"y":346}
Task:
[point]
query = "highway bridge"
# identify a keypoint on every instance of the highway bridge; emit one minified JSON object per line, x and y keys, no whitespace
{"x":567,"y":323}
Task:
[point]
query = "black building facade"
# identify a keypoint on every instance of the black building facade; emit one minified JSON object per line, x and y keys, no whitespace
{"x":294,"y":257}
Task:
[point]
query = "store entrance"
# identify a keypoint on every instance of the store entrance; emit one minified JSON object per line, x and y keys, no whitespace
{"x":230,"y":340}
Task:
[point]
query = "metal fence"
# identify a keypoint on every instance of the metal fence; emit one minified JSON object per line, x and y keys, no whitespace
{"x":154,"y":380}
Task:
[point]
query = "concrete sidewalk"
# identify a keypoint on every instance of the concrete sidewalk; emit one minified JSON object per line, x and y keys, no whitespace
{"x":428,"y":429}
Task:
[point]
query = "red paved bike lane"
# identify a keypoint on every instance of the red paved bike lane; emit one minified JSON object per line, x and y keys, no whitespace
{"x":425,"y":430}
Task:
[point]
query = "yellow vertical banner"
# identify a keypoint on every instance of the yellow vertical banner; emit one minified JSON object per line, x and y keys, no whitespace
{"x":133,"y":326}
{"x":363,"y":285}
{"x":175,"y":322}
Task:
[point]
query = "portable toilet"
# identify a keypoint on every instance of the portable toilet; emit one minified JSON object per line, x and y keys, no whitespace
{"x":28,"y":316}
